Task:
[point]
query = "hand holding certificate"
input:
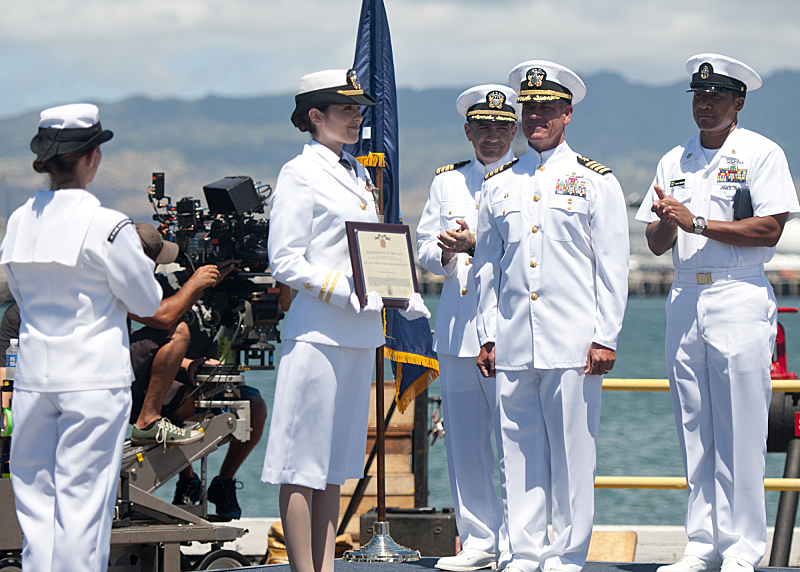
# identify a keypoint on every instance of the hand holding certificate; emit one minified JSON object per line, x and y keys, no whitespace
{"x":382,"y":261}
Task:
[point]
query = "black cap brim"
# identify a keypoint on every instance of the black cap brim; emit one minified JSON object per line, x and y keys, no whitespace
{"x":304,"y":102}
{"x":49,"y":142}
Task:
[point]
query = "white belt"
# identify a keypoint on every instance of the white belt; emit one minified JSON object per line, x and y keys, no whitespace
{"x":719,"y":275}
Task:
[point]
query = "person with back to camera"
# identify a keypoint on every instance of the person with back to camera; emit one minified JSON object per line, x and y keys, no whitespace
{"x":75,"y":269}
{"x":318,"y":432}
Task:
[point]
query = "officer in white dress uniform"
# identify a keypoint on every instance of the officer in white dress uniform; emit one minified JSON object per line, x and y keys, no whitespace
{"x":318,"y":432}
{"x":445,"y":243}
{"x":76,"y":269}
{"x":552,"y":271}
{"x":720,"y":201}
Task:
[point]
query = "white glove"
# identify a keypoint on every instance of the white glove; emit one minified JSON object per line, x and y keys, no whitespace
{"x":374,"y":303}
{"x":416,"y":308}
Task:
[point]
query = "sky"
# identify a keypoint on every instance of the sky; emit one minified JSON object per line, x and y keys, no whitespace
{"x":61,"y":51}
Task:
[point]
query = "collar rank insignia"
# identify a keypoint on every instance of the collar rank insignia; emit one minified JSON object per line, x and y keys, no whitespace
{"x":352,"y":77}
{"x":573,"y":186}
{"x":452,"y":167}
{"x":593,"y":165}
{"x":495,"y":99}
{"x":535,"y":77}
{"x":499,"y":169}
{"x":732,"y":174}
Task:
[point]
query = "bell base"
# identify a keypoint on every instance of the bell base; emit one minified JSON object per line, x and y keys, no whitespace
{"x":381,"y":549}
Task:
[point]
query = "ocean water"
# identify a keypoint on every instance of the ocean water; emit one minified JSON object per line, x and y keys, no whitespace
{"x":637,"y":431}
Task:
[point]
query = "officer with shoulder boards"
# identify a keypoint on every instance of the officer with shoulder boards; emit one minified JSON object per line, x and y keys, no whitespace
{"x":719,"y":202}
{"x":445,"y":243}
{"x":552,"y":274}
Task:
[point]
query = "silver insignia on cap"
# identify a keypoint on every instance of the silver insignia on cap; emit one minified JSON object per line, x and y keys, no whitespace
{"x":495,"y":99}
{"x":535,"y":77}
{"x":352,"y":77}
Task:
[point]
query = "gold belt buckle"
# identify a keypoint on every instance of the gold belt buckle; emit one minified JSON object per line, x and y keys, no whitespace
{"x":704,"y":278}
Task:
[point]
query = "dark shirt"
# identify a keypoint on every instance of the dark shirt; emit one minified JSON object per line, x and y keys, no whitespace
{"x":198,"y":318}
{"x":9,"y":328}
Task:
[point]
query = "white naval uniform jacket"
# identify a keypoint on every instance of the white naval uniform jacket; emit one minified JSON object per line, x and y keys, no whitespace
{"x":747,"y":160}
{"x":454,"y":195}
{"x":76,"y":269}
{"x":313,"y":198}
{"x":551,"y":260}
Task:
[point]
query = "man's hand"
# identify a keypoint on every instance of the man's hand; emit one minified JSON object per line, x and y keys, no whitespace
{"x":195,"y":365}
{"x":486,"y":360}
{"x":226,"y":267}
{"x":600,"y":360}
{"x":454,"y":241}
{"x":672,"y":212}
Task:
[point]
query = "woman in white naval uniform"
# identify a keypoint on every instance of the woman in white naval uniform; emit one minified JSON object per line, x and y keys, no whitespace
{"x":318,"y":433}
{"x":445,"y":242}
{"x":76,"y":269}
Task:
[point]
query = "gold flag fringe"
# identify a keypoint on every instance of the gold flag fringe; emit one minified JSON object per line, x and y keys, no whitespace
{"x":372,"y":160}
{"x":419,"y":385}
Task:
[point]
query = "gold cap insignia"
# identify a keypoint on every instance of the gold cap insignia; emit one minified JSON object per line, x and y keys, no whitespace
{"x":706,"y":70}
{"x":352,"y":77}
{"x":535,"y":77}
{"x":495,"y":99}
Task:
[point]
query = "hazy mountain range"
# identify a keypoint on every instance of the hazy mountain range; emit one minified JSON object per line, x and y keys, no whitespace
{"x":625,"y":126}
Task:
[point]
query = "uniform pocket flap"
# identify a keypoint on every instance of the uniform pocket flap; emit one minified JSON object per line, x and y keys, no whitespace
{"x":571,"y":204}
{"x":506,"y":205}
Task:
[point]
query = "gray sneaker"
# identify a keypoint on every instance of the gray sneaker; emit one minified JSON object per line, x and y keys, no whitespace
{"x":162,"y":431}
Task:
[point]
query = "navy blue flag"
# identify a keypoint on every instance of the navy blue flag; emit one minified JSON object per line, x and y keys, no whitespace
{"x":408,"y":343}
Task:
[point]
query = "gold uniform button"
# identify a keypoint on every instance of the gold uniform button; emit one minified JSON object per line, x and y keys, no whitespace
{"x":536,"y":198}
{"x":477,"y":206}
{"x":569,"y":200}
{"x":569,"y":208}
{"x":541,"y":167}
{"x":535,"y":229}
{"x":534,"y":296}
{"x":449,"y":212}
{"x":363,"y":206}
{"x":534,"y":264}
{"x":474,"y":233}
{"x":463,"y":291}
{"x":505,"y":196}
{"x":466,"y":262}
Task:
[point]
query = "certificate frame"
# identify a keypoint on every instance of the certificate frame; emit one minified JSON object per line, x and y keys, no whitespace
{"x":400,"y":266}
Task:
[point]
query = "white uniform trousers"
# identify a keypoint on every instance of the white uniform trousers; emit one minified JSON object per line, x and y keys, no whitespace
{"x":469,"y":403}
{"x":719,"y":347}
{"x":318,"y":432}
{"x":65,"y":460}
{"x":549,"y":420}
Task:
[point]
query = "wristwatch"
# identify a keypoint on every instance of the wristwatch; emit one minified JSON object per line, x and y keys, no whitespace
{"x":700,"y":224}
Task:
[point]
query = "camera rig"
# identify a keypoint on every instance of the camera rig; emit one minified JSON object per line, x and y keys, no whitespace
{"x":243,"y":310}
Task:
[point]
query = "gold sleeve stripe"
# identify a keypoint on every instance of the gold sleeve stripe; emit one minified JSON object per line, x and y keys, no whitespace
{"x":325,"y":284}
{"x":333,"y":285}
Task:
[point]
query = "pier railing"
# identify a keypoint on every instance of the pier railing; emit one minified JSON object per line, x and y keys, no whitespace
{"x":670,"y":483}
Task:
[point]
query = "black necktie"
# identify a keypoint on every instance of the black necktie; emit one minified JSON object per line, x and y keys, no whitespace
{"x":346,"y":164}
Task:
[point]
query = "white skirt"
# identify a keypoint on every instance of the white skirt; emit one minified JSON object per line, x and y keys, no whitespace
{"x":318,"y":432}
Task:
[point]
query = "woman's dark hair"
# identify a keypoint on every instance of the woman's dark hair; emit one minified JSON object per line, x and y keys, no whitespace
{"x":60,"y":168}
{"x":305,"y":124}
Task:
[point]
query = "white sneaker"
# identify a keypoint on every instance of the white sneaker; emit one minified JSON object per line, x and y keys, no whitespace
{"x":468,"y":560}
{"x":733,"y":564}
{"x":691,"y":563}
{"x":503,"y":560}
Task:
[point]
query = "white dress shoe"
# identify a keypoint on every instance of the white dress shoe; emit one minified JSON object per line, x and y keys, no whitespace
{"x":468,"y":560}
{"x":691,"y":563}
{"x":503,"y":560}
{"x":733,"y":564}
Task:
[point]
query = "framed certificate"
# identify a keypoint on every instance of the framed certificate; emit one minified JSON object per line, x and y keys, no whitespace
{"x":383,"y":262}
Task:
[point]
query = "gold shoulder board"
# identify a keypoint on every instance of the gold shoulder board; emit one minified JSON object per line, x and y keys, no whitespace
{"x":593,"y":165}
{"x":458,"y":165}
{"x":499,"y":169}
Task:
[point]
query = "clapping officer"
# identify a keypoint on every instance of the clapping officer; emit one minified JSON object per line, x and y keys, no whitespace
{"x":445,"y":244}
{"x":552,"y":273}
{"x":76,"y":269}
{"x":719,"y":202}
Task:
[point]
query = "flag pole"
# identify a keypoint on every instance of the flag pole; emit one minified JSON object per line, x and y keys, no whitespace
{"x":381,"y":548}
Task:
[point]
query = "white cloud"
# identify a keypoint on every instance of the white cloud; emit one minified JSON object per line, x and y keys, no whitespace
{"x":54,"y":51}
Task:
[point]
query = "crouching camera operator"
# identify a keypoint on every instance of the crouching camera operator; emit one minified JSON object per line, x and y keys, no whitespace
{"x":166,"y":354}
